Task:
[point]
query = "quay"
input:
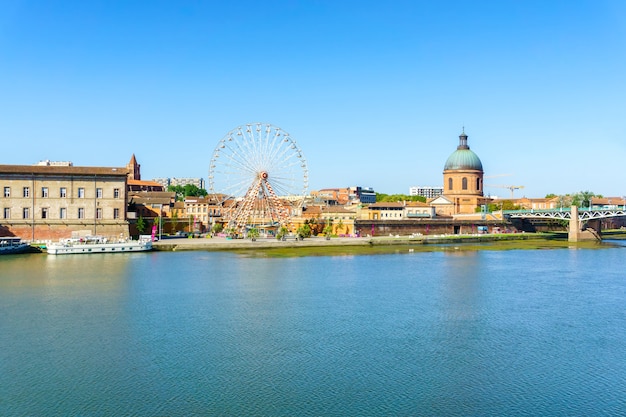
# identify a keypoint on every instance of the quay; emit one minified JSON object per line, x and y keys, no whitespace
{"x":221,"y":243}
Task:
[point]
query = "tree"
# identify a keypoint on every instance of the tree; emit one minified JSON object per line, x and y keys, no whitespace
{"x":188,"y":190}
{"x":387,"y":198}
{"x":500,"y":205}
{"x":328,"y":230}
{"x":253,"y":234}
{"x":141,"y":225}
{"x":340,"y":226}
{"x":304,"y":231}
{"x":191,"y":190}
{"x":217,"y":228}
{"x":583,"y":198}
{"x":281,"y":233}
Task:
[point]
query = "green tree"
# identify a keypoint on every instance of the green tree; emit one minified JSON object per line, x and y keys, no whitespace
{"x":501,"y":205}
{"x":304,"y":231}
{"x":281,"y":233}
{"x":141,"y":225}
{"x":180,"y":193}
{"x":217,"y":228}
{"x":392,"y":198}
{"x":191,"y":190}
{"x":583,"y":198}
{"x":187,"y":190}
{"x":253,"y":234}
{"x":328,"y":229}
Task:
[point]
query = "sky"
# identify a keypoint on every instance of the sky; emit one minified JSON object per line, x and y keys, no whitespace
{"x":375,"y":93}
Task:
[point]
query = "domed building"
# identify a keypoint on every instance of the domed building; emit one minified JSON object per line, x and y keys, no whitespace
{"x":463,"y":180}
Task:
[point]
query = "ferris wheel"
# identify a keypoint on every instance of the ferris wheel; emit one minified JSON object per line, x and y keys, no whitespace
{"x":258,"y":175}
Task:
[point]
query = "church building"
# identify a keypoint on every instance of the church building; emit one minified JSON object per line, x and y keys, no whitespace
{"x":462,"y":182}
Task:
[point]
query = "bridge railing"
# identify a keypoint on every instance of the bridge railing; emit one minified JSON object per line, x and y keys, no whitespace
{"x":565,"y":212}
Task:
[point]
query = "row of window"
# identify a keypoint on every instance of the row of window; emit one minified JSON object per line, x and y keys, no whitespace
{"x":45,"y":213}
{"x":62,"y":192}
{"x":464,"y":183}
{"x":194,"y":209}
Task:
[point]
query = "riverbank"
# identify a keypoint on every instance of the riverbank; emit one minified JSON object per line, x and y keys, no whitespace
{"x":220,"y":243}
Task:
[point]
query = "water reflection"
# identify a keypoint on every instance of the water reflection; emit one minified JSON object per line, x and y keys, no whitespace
{"x":438,"y":333}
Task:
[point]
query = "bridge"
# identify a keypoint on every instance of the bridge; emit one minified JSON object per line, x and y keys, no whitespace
{"x":585,"y":223}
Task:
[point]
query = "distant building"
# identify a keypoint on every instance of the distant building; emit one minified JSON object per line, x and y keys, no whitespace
{"x":331,"y":196}
{"x":49,"y":163}
{"x":364,"y":195}
{"x":344,"y":196}
{"x":428,"y":192}
{"x":166,"y":182}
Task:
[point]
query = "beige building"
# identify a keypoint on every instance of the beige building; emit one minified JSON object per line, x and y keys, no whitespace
{"x":48,"y":202}
{"x":200,"y":212}
{"x":400,"y":210}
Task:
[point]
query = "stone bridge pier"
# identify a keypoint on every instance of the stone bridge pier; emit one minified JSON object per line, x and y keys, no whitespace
{"x":592,"y":230}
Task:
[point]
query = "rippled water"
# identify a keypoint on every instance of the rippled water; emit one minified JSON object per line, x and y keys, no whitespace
{"x":519,"y":332}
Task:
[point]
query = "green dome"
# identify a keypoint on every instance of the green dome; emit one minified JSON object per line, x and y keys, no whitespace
{"x":463,"y":157}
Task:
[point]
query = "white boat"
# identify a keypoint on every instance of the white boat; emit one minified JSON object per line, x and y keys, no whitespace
{"x":97,"y":244}
{"x":13,"y":245}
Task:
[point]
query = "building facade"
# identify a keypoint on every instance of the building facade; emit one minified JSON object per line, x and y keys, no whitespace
{"x":49,"y":202}
{"x":166,"y":182}
{"x":463,"y":179}
{"x":427,"y":192}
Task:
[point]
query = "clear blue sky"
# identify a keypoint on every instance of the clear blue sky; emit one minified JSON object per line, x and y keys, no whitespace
{"x":375,"y":93}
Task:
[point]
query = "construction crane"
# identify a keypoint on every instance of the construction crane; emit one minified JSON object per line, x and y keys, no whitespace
{"x":510,"y":187}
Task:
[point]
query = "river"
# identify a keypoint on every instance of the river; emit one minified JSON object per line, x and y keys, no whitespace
{"x":435,"y":333}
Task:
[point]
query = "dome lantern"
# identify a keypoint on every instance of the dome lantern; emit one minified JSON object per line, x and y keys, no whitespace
{"x":463,"y":158}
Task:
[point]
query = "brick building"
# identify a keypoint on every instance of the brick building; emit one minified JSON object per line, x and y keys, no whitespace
{"x":52,"y":201}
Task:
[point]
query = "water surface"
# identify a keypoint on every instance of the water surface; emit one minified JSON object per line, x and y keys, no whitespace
{"x":516,"y":332}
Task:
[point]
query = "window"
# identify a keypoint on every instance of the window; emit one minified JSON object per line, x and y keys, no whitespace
{"x":26,"y":213}
{"x":63,"y":213}
{"x":478,"y":184}
{"x":44,"y":213}
{"x":464,"y":183}
{"x":116,"y":213}
{"x":98,"y":192}
{"x":449,"y":183}
{"x":81,"y":192}
{"x":7,"y":213}
{"x":63,"y":192}
{"x":26,"y":193}
{"x":98,"y":213}
{"x":44,"y":192}
{"x":81,"y":213}
{"x":7,"y":192}
{"x":116,"y":193}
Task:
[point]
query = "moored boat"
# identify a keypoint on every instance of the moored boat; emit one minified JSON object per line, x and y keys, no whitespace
{"x":97,"y":244}
{"x":10,"y":245}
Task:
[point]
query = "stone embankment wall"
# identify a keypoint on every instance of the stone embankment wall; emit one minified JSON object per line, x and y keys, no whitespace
{"x":53,"y":232}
